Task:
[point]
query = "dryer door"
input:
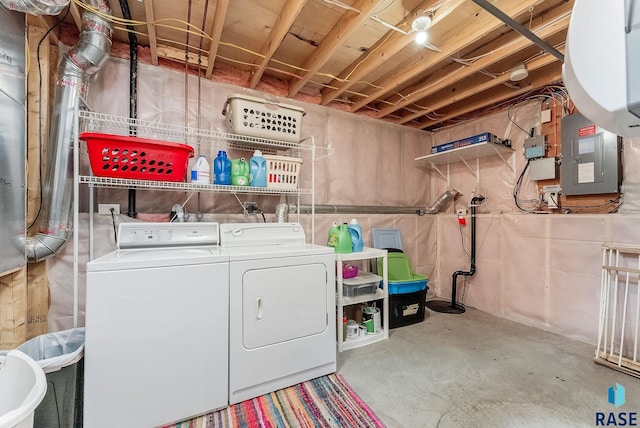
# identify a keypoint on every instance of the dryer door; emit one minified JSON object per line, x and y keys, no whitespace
{"x":283,"y":303}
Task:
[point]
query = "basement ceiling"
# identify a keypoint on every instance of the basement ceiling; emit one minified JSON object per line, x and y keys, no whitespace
{"x":358,"y":55}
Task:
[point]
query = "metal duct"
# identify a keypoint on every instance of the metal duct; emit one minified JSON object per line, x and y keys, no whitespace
{"x":377,"y":209}
{"x":36,"y":7}
{"x":74,"y":71}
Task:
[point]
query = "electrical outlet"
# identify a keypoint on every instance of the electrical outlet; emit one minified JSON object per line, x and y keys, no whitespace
{"x":461,"y":211}
{"x":251,"y":207}
{"x":105,"y":209}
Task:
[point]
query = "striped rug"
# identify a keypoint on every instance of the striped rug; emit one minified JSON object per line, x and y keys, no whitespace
{"x":327,"y":401}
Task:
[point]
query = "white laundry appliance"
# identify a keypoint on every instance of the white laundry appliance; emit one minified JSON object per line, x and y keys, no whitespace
{"x":156,"y":327}
{"x":281,"y":308}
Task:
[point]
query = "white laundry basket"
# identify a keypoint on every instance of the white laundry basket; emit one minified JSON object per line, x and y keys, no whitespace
{"x":257,"y":117}
{"x":23,"y":385}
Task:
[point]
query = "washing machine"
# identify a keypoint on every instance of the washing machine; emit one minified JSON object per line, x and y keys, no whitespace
{"x":281,"y":308}
{"x":156,"y":327}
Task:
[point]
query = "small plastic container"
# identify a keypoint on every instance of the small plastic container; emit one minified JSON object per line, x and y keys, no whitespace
{"x":222,"y":169}
{"x":201,"y":172}
{"x":257,"y":170}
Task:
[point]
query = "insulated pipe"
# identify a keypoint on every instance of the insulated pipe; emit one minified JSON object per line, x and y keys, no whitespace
{"x":377,"y":209}
{"x":36,"y":7}
{"x":74,"y":71}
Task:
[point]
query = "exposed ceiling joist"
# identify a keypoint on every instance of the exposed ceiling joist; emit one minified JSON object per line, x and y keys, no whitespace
{"x":551,"y":25}
{"x":352,"y":54}
{"x":280,"y":29}
{"x":348,"y":24}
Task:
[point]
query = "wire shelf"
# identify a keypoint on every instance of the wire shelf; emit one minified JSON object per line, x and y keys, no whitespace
{"x":186,"y":187}
{"x":119,"y":125}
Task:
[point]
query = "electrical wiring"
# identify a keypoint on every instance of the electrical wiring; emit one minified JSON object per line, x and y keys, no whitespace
{"x":515,"y":123}
{"x":516,"y":190}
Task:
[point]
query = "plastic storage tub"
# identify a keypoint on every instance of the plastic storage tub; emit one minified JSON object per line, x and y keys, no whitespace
{"x":257,"y":117}
{"x":407,"y":308}
{"x":365,"y":283}
{"x":407,"y":291}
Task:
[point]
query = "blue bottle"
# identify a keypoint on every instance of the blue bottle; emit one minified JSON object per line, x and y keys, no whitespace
{"x":222,"y":168}
{"x":357,"y":244}
{"x":257,"y":170}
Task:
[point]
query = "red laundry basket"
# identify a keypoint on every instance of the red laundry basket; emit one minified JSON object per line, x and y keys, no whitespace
{"x":135,"y":158}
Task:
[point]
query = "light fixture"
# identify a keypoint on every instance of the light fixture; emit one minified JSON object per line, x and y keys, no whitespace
{"x":420,"y":25}
{"x":519,"y":72}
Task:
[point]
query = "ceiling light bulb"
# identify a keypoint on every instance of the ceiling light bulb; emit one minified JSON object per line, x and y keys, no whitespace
{"x":420,"y":26}
{"x":421,"y":37}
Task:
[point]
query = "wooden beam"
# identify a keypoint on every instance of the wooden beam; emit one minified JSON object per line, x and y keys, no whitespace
{"x":560,"y":22}
{"x":151,"y":30}
{"x":385,"y":48}
{"x":37,"y":116}
{"x":39,"y":81}
{"x":76,"y":13}
{"x":37,"y":299}
{"x":280,"y":29}
{"x":216,"y":31}
{"x":535,"y":64}
{"x":540,"y":81}
{"x":347,"y":25}
{"x":13,"y":309}
{"x":177,"y":55}
{"x":481,"y":25}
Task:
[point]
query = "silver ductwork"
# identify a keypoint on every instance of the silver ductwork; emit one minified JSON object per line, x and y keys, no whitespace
{"x":442,"y":200}
{"x":36,"y":7}
{"x":74,"y":71}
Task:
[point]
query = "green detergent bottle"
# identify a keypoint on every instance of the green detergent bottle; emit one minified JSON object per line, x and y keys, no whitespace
{"x":239,"y":172}
{"x":332,"y":239}
{"x":344,"y":240}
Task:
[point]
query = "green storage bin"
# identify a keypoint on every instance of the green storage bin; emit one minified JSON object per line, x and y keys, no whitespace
{"x":400,"y":275}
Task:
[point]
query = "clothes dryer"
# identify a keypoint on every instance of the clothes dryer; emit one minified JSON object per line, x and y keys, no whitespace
{"x":282,"y":327}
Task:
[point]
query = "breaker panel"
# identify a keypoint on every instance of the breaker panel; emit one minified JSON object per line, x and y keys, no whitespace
{"x":591,"y":158}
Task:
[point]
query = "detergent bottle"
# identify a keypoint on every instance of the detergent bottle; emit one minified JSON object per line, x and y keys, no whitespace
{"x":222,"y":168}
{"x":257,"y":170}
{"x":200,"y":172}
{"x":332,"y":239}
{"x":239,"y":172}
{"x":344,"y":240}
{"x":357,"y":245}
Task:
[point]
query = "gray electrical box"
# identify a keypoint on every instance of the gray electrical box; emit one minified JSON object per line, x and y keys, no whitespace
{"x":590,"y":158}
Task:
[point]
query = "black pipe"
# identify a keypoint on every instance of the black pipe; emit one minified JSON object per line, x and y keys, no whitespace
{"x":453,"y":307}
{"x":472,"y":269}
{"x":133,"y":90}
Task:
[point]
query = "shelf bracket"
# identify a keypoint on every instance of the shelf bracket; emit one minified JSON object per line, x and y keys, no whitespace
{"x":433,"y":165}
{"x":504,"y":160}
{"x":475,"y":173}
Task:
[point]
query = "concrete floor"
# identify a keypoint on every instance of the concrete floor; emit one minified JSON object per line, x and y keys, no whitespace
{"x":476,"y":370}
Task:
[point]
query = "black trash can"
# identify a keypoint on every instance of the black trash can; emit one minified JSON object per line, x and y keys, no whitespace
{"x":60,"y":355}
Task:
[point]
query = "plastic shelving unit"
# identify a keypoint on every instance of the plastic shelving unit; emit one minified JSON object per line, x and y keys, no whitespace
{"x":381,"y":294}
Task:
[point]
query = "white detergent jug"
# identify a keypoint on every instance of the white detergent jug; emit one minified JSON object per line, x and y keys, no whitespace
{"x":201,"y":172}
